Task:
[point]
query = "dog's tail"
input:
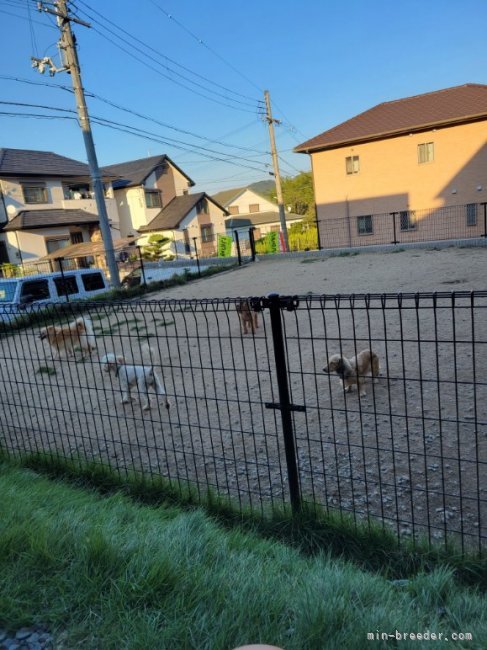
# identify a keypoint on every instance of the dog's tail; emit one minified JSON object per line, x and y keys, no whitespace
{"x":147,"y":353}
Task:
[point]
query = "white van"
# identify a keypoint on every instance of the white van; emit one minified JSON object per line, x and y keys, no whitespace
{"x":17,"y":294}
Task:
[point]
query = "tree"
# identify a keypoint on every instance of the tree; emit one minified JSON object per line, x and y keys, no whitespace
{"x":157,"y":248}
{"x":298,"y":195}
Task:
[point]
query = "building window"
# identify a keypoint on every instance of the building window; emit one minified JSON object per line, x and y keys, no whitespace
{"x":471,"y":214}
{"x":207,"y":233}
{"x":254,"y":207}
{"x":56,"y":243}
{"x":153,"y":199}
{"x":202,"y":206}
{"x":35,"y":193}
{"x":408,"y":220}
{"x":426,"y":152}
{"x":233,"y":209}
{"x":352,"y":164}
{"x":364,"y":225}
{"x":77,"y":191}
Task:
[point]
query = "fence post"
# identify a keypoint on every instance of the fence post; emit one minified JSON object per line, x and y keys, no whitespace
{"x":252,"y":242}
{"x":318,"y":229}
{"x":197,"y":258}
{"x":142,"y":267}
{"x":237,"y":243}
{"x":60,"y":261}
{"x":485,"y":219}
{"x":284,"y":405}
{"x":393,"y":215}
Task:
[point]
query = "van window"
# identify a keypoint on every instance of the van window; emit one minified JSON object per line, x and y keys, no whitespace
{"x":35,"y":290}
{"x":66,"y":286}
{"x":93,"y":281}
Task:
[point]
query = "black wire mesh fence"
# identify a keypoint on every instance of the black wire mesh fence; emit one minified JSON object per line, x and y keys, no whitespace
{"x":254,"y":416}
{"x":398,"y":227}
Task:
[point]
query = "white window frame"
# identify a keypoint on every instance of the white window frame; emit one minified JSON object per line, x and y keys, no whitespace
{"x":426,"y":153}
{"x":471,"y":214}
{"x":362,"y":220}
{"x":407,"y":220}
{"x":352,"y":165}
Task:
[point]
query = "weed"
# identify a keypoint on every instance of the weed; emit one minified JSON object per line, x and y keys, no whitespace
{"x":46,"y":370}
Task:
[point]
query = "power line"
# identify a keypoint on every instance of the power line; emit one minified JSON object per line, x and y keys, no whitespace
{"x":200,"y":41}
{"x":254,"y":103}
{"x":142,"y":116}
{"x":136,"y":132}
{"x":37,"y":22}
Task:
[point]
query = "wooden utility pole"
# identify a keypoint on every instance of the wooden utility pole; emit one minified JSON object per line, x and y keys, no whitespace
{"x":67,"y":45}
{"x":275,"y":162}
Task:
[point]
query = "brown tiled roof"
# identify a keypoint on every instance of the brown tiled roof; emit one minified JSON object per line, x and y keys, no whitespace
{"x":175,"y":211}
{"x":26,"y":162}
{"x":32,"y":219}
{"x":134,"y":172}
{"x":440,"y":108}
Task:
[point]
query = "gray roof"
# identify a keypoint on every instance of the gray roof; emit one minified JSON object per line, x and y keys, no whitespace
{"x":25,"y":162}
{"x":259,"y":219}
{"x":32,"y":219}
{"x":175,"y":211}
{"x":134,"y":172}
{"x":227,"y":196}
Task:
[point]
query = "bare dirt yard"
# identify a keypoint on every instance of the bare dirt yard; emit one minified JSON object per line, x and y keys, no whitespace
{"x":413,"y":452}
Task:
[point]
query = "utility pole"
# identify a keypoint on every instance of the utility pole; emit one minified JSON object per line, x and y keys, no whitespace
{"x":275,"y":162}
{"x":67,"y":45}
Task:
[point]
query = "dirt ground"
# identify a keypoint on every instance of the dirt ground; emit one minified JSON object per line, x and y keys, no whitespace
{"x":412,"y":453}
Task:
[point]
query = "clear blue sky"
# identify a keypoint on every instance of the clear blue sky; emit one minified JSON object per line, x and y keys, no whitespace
{"x":323,"y":62}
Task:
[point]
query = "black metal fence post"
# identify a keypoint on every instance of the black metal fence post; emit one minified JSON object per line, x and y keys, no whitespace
{"x":317,"y":229}
{"x":142,"y":267}
{"x":60,"y":261}
{"x":393,"y":215}
{"x":237,"y":244}
{"x":285,"y":405}
{"x":252,"y":242}
{"x":485,"y":219}
{"x":196,"y":255}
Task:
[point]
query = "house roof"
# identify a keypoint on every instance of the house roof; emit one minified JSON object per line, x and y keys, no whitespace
{"x":134,"y":172}
{"x":259,"y":219}
{"x":227,"y":196}
{"x":32,"y":219}
{"x":26,"y":162}
{"x":88,"y":248}
{"x":446,"y":107}
{"x":176,"y":210}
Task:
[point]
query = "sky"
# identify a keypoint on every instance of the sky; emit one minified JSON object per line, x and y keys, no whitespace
{"x":191,"y":74}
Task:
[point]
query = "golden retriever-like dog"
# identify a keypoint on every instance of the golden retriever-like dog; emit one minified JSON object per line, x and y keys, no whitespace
{"x":64,"y":338}
{"x":352,"y":371}
{"x":247,"y":316}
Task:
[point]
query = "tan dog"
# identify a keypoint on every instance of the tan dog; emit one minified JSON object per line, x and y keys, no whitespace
{"x":352,"y":371}
{"x":247,"y":316}
{"x":63,"y":338}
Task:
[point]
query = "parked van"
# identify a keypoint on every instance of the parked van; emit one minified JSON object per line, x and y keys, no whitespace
{"x":17,"y":294}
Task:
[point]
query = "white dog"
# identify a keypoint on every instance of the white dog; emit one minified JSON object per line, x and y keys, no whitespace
{"x":129,"y":376}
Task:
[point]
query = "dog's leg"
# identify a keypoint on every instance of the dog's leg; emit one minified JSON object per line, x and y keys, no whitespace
{"x":256,"y":321}
{"x":160,"y":391}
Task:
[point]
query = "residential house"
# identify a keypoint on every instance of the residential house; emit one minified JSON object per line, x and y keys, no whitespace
{"x":248,"y":209}
{"x":46,"y":204}
{"x":143,"y":187}
{"x":190,"y":221}
{"x":404,"y":170}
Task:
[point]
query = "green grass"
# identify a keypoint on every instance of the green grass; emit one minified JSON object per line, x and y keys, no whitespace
{"x":46,"y":370}
{"x":105,"y":572}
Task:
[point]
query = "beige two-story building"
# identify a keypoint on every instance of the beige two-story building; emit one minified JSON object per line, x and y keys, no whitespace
{"x":47,"y":204}
{"x":405,"y":170}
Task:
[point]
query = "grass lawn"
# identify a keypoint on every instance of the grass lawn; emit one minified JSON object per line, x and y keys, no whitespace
{"x":108,"y":573}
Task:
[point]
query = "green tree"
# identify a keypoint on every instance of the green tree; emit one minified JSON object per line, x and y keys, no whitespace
{"x":297,"y":194}
{"x":157,"y":248}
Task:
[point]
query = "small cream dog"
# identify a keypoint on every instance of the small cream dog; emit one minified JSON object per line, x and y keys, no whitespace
{"x":352,"y":371}
{"x":130,"y":376}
